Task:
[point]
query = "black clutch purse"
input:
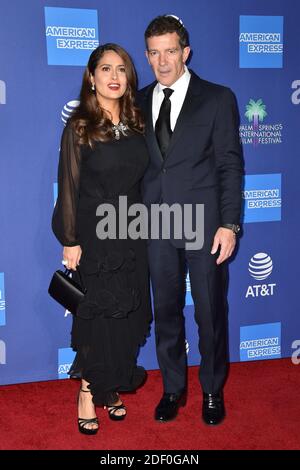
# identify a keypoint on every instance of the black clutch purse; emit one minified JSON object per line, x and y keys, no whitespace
{"x":66,"y":291}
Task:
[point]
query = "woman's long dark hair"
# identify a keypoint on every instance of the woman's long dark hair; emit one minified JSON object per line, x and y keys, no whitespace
{"x":89,"y":120}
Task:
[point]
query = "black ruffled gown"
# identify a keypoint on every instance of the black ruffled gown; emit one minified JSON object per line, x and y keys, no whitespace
{"x":113,"y":321}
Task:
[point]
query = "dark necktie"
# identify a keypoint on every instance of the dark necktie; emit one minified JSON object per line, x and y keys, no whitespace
{"x":162,"y":127}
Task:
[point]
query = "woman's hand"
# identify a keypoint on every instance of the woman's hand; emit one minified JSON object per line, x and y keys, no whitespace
{"x":72,"y":255}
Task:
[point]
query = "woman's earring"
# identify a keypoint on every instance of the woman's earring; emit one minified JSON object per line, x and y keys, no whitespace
{"x":93,"y":87}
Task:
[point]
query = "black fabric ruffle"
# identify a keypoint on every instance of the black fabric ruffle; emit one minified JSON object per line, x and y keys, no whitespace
{"x":125,"y":379}
{"x":105,"y":297}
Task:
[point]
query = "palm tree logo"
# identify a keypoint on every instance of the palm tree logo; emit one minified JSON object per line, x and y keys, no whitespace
{"x":256,"y":112}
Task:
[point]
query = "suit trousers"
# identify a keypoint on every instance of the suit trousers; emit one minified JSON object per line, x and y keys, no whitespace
{"x":168,"y":268}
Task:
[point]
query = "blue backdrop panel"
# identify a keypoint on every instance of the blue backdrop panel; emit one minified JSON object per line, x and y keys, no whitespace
{"x":251,"y":47}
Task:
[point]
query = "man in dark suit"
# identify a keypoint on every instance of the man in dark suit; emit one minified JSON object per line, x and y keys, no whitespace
{"x":195,"y":158}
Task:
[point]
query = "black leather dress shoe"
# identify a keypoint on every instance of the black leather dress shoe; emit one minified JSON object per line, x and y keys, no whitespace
{"x":167,"y":408}
{"x":213,"y":409}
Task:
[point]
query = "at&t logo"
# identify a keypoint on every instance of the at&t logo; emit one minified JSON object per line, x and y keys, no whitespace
{"x":260,"y":268}
{"x":68,"y":110}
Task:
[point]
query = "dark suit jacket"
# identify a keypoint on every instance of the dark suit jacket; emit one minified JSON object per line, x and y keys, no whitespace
{"x":203,"y":163}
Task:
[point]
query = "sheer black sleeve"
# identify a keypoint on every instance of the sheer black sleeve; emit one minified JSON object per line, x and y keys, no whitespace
{"x":65,"y":211}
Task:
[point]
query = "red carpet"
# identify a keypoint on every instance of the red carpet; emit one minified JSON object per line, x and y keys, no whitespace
{"x":262,"y":402}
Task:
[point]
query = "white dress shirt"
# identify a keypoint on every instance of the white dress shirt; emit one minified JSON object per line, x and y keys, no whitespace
{"x":177,"y":98}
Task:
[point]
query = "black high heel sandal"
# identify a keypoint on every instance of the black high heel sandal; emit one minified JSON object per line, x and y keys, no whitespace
{"x":82,"y":422}
{"x":112,"y":412}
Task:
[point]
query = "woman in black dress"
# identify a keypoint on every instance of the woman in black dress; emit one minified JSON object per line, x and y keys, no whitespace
{"x":103,"y":156}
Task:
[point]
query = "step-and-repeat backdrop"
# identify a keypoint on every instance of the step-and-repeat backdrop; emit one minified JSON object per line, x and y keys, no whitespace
{"x":252,"y":47}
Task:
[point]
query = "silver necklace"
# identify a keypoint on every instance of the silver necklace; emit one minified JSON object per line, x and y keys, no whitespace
{"x":119,"y":129}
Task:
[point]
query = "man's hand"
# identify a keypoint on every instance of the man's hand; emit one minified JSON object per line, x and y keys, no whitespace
{"x":227,"y":239}
{"x":72,"y":255}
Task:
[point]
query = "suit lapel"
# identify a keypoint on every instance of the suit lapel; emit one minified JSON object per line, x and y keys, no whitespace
{"x":150,"y":134}
{"x":191,"y":103}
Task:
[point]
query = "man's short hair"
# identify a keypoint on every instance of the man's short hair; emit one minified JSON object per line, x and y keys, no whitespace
{"x":167,"y":24}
